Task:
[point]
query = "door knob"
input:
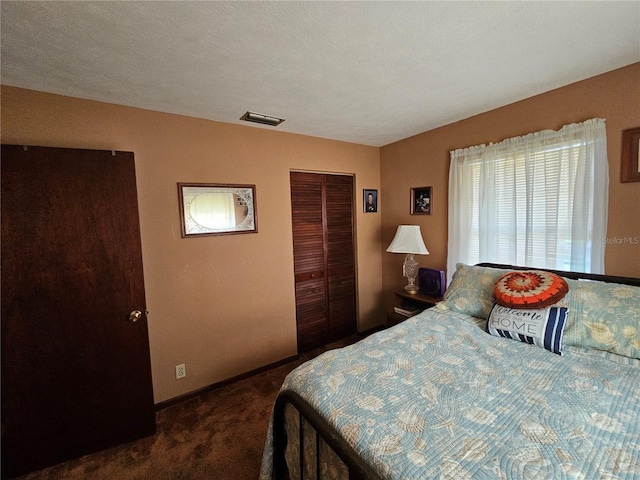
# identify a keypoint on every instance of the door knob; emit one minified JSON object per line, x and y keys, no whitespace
{"x":135,"y":316}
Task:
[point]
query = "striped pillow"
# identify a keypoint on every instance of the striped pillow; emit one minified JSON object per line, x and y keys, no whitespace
{"x":543,"y":327}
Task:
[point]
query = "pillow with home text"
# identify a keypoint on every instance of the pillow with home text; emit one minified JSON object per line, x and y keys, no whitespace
{"x":540,"y":327}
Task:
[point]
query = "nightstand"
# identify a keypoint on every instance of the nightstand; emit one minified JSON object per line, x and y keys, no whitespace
{"x":409,"y":304}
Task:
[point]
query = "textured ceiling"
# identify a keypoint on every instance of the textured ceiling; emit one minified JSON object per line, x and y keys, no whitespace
{"x":365,"y":72}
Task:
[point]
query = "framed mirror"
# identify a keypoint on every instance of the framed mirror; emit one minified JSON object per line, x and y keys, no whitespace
{"x":217,"y":209}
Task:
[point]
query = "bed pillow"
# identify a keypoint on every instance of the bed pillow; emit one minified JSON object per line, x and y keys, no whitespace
{"x":604,"y":316}
{"x":529,"y":289}
{"x":543,"y":327}
{"x":471,"y":290}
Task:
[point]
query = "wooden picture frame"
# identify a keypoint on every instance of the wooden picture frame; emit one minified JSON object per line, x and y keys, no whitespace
{"x":369,"y":201}
{"x":217,"y":209}
{"x":630,"y":165}
{"x":421,"y":201}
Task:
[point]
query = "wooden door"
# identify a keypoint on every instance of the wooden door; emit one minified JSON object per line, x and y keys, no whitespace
{"x":76,"y":373}
{"x":324,"y":267}
{"x":309,"y":259}
{"x":340,"y":255}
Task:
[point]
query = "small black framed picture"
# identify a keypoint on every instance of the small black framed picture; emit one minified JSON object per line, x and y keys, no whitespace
{"x":421,"y":201}
{"x":631,"y":155}
{"x":370,"y":201}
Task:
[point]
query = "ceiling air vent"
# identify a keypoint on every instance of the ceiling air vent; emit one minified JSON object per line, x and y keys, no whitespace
{"x":260,"y":118}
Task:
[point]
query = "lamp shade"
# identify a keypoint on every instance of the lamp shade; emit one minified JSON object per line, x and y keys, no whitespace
{"x":408,"y":239}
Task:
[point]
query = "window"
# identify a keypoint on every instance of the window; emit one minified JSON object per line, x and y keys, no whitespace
{"x":538,"y":200}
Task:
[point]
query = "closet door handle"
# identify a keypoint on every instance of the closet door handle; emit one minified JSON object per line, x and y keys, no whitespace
{"x":135,"y":316}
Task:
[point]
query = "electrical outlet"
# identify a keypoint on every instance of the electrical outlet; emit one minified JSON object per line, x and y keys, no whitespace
{"x":181,"y":371}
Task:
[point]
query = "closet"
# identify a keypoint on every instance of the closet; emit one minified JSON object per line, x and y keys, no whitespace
{"x":324,"y":257}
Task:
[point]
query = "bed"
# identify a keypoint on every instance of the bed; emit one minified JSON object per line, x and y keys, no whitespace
{"x":444,"y":396}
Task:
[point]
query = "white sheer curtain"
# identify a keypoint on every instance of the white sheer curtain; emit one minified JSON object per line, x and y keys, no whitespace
{"x":539,"y":200}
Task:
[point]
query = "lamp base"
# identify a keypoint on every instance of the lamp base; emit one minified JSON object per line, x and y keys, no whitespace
{"x":410,"y":270}
{"x":413,"y":289}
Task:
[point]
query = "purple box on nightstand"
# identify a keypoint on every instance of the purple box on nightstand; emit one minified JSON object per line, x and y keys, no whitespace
{"x":432,"y":282}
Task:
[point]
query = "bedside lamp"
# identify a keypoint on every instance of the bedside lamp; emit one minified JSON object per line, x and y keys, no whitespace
{"x":408,"y":240}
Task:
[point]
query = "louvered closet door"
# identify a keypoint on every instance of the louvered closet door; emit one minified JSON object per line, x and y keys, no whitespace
{"x":340,"y":255}
{"x":322,"y":215}
{"x":309,"y":265}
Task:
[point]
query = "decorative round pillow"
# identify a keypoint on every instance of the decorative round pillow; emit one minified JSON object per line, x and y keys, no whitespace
{"x":529,"y":289}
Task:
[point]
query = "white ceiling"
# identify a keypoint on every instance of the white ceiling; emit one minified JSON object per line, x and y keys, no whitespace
{"x":365,"y":72}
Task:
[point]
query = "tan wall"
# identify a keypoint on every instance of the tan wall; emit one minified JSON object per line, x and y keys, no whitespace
{"x":225,"y":305}
{"x":423,"y":160}
{"x":221,"y":305}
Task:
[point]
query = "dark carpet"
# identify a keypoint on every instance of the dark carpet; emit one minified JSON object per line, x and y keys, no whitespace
{"x":217,"y":435}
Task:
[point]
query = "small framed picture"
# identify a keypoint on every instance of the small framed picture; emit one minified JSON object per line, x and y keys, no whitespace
{"x":421,"y":201}
{"x":630,"y":169}
{"x":370,"y":201}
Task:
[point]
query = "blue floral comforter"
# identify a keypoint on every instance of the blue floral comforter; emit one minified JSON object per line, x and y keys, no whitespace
{"x":437,"y":397}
